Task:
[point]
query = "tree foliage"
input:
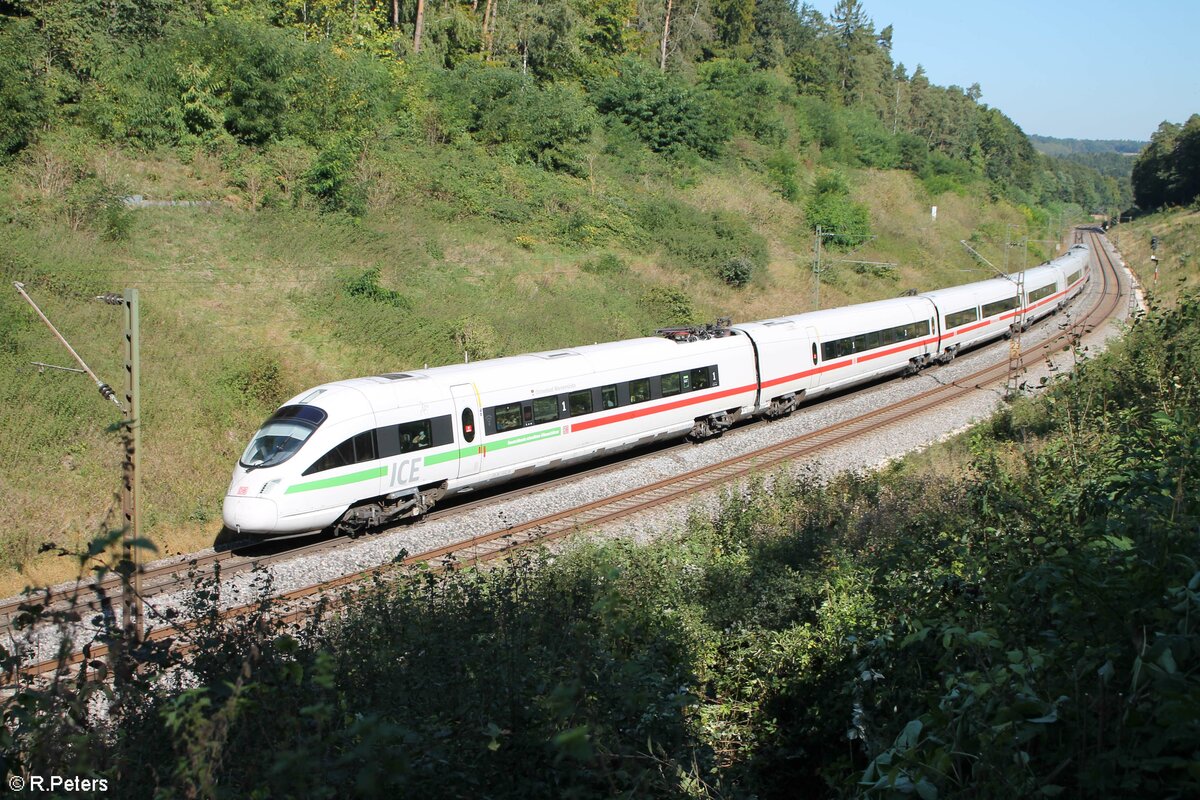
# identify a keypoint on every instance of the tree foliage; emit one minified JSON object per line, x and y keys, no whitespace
{"x":154,"y":74}
{"x":663,"y":111}
{"x":1168,"y":171}
{"x":24,"y":103}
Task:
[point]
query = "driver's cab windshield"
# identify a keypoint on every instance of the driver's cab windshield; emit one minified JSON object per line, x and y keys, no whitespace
{"x":282,"y":436}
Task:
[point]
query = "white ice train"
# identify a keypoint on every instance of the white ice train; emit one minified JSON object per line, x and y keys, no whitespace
{"x":361,"y":452}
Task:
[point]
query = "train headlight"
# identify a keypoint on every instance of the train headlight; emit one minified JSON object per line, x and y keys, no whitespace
{"x":268,"y":486}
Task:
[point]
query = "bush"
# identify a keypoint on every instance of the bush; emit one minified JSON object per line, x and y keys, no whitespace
{"x":826,"y":126}
{"x":332,"y":180}
{"x":664,"y":113}
{"x":367,"y":287}
{"x":24,"y":104}
{"x":831,"y":209}
{"x":251,"y":65}
{"x":751,"y":97}
{"x":607,"y":264}
{"x":781,"y":169}
{"x":706,"y":241}
{"x":256,"y":377}
{"x":507,"y":111}
{"x":136,"y":98}
{"x":874,"y":145}
{"x":737,"y":271}
{"x":668,"y":306}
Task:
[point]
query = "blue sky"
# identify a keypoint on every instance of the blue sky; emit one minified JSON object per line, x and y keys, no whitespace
{"x":1064,"y":68}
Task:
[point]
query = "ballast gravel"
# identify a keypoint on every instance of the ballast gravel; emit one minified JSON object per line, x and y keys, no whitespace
{"x":894,"y":441}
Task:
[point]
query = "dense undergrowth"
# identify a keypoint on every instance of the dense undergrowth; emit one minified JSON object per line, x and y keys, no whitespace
{"x":1027,"y":626}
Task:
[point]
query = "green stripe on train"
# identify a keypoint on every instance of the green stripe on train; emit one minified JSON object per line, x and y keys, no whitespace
{"x":341,"y":480}
{"x":514,"y":441}
{"x":453,"y":455}
{"x":439,"y":458}
{"x":527,"y":438}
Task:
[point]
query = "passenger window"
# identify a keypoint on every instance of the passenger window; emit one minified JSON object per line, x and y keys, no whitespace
{"x":508,"y":417}
{"x":354,"y":450}
{"x":339,"y":456}
{"x":415,"y":436}
{"x":670,"y":384}
{"x":639,"y":390}
{"x":699,"y":378}
{"x":468,"y":425}
{"x":608,"y":396}
{"x":545,"y":409}
{"x":581,"y":402}
{"x":387,"y":440}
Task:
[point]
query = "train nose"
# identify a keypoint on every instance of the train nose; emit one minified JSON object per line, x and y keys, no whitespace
{"x":250,"y":514}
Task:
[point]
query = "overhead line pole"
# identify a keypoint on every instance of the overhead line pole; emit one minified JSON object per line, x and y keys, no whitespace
{"x":105,"y":390}
{"x":133,"y":473}
{"x":1014,"y":346}
{"x":131,"y":487}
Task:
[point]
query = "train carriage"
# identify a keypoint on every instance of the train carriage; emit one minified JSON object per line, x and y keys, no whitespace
{"x":973,"y":314}
{"x":362,"y":452}
{"x":1045,"y":288}
{"x":805,"y":355}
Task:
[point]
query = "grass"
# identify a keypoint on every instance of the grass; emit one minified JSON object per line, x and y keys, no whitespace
{"x":243,"y":308}
{"x":1178,"y":232}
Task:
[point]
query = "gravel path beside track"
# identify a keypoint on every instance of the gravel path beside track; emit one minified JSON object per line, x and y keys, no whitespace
{"x":893,"y":442}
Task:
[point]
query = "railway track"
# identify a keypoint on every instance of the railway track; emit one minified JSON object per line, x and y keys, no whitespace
{"x":298,"y":604}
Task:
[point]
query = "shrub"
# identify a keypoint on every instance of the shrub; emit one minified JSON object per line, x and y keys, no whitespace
{"x":136,"y":97}
{"x":606,"y":264}
{"x":781,"y":169}
{"x":367,"y":287}
{"x":707,"y":241}
{"x":668,"y":306}
{"x":98,"y":204}
{"x":751,"y":97}
{"x":476,"y":338}
{"x":24,"y":104}
{"x":874,"y":145}
{"x":737,"y":271}
{"x":256,"y":377}
{"x":664,"y":113}
{"x":332,"y":180}
{"x":507,"y":111}
{"x":251,"y":65}
{"x":831,"y":209}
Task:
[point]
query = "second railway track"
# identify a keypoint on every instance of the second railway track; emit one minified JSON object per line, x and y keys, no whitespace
{"x":591,"y":515}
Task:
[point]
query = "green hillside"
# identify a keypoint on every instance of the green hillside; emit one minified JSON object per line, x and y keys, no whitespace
{"x":1069,"y":147}
{"x":352,"y":206}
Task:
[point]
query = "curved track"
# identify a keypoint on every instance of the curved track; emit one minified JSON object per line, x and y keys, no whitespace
{"x":298,"y":605}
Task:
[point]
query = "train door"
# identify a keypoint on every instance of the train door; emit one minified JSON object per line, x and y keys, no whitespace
{"x":468,"y":421}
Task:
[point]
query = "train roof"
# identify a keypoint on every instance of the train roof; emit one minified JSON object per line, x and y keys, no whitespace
{"x":992,"y":288}
{"x":528,"y":369}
